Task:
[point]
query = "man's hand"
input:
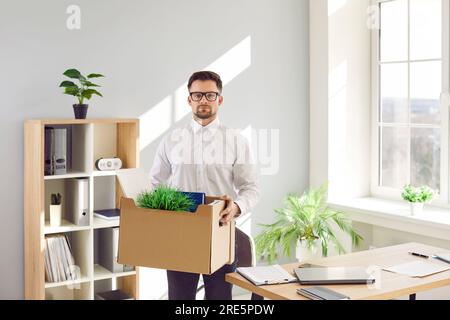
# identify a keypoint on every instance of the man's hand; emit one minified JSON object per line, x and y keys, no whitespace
{"x":231,"y":210}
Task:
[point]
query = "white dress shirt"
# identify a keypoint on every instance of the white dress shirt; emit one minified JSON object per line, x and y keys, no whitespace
{"x":211,"y":159}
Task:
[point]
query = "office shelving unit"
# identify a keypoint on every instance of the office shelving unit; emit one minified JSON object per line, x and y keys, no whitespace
{"x":87,"y":141}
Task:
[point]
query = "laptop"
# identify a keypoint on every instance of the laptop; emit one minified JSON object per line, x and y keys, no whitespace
{"x":334,"y":275}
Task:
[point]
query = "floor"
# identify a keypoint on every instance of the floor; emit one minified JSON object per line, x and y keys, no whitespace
{"x":243,"y":297}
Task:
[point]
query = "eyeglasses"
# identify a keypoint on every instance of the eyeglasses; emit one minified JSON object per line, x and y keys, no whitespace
{"x":210,"y":96}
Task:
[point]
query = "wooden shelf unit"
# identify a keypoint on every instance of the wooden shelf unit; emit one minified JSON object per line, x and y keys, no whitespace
{"x":90,"y":139}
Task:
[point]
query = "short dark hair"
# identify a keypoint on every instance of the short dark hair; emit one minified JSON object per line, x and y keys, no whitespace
{"x":206,"y":75}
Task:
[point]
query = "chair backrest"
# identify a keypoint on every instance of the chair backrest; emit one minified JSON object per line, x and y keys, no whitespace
{"x":245,"y":254}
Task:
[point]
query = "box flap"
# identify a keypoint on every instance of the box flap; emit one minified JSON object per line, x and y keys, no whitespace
{"x":222,"y":241}
{"x":232,"y":247}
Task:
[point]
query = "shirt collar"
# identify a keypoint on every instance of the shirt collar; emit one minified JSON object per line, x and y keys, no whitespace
{"x":210,"y":127}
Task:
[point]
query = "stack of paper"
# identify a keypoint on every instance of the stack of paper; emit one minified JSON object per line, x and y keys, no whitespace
{"x":417,"y":268}
{"x":59,"y":261}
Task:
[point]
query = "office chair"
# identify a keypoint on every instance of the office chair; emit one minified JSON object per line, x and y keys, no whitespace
{"x":245,"y":256}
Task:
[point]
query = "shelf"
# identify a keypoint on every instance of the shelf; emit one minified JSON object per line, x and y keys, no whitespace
{"x":66,"y":226}
{"x":86,"y":141}
{"x":76,"y":174}
{"x":70,"y":291}
{"x":83,"y":121}
{"x":98,"y":173}
{"x":100,"y":223}
{"x":106,"y":173}
{"x":83,"y":279}
{"x":101,"y":273}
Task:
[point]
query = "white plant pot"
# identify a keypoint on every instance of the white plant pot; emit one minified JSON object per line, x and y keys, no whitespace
{"x":55,"y":215}
{"x":303,"y":253}
{"x":416,"y":208}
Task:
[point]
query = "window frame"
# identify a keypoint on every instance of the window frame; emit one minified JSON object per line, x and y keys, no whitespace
{"x":392,"y":193}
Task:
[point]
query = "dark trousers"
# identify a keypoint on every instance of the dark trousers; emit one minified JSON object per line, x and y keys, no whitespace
{"x":183,"y":285}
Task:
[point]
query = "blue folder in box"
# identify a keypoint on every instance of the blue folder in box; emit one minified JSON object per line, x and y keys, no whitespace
{"x":197,"y":197}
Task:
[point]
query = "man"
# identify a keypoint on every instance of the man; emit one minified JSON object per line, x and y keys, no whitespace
{"x":205,"y":156}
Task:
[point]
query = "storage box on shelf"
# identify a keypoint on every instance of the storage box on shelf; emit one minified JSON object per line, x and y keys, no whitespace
{"x":86,"y":141}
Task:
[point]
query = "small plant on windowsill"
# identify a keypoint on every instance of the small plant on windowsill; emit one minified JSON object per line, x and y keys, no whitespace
{"x":417,"y":197}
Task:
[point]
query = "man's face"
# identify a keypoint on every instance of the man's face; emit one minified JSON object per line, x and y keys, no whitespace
{"x":204,"y":108}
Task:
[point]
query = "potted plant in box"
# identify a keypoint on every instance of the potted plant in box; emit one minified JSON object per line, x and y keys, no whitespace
{"x":304,"y":222}
{"x":83,"y":90}
{"x":164,"y":198}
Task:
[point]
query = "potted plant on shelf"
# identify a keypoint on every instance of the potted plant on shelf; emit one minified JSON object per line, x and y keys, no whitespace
{"x":417,"y":197}
{"x":306,"y":222}
{"x":82,"y":91}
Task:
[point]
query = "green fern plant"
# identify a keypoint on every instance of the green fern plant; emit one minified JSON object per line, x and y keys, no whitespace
{"x":164,"y":198}
{"x":304,"y":218}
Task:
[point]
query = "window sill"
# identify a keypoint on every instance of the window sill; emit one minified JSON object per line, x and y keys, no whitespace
{"x":433,"y":222}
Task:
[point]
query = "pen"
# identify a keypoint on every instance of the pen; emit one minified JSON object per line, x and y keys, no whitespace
{"x":419,"y":255}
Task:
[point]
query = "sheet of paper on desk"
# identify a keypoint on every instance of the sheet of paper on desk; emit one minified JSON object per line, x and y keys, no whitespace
{"x":417,"y":268}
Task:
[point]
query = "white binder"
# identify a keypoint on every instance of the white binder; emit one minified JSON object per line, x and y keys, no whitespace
{"x":77,"y":201}
{"x":60,"y":151}
{"x":109,"y":248}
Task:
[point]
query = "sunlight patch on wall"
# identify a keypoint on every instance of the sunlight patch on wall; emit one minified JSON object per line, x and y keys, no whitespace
{"x":155,"y":122}
{"x":231,"y":64}
{"x":158,"y":119}
{"x":338,"y":80}
{"x":335,"y":5}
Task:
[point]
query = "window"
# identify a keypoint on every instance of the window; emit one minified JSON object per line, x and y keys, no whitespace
{"x":411,"y":75}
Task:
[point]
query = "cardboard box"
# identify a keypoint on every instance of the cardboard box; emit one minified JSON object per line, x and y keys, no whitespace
{"x":179,"y":241}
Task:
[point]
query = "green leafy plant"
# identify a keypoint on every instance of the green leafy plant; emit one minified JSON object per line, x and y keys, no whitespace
{"x":56,"y":199}
{"x":306,"y":219}
{"x":164,"y":198}
{"x":421,"y":194}
{"x":82,"y":90}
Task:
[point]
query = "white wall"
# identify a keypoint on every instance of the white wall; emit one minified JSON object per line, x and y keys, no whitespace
{"x":319,"y":121}
{"x":147,"y":50}
{"x":340,"y":96}
{"x":340,"y":99}
{"x":349,"y":98}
